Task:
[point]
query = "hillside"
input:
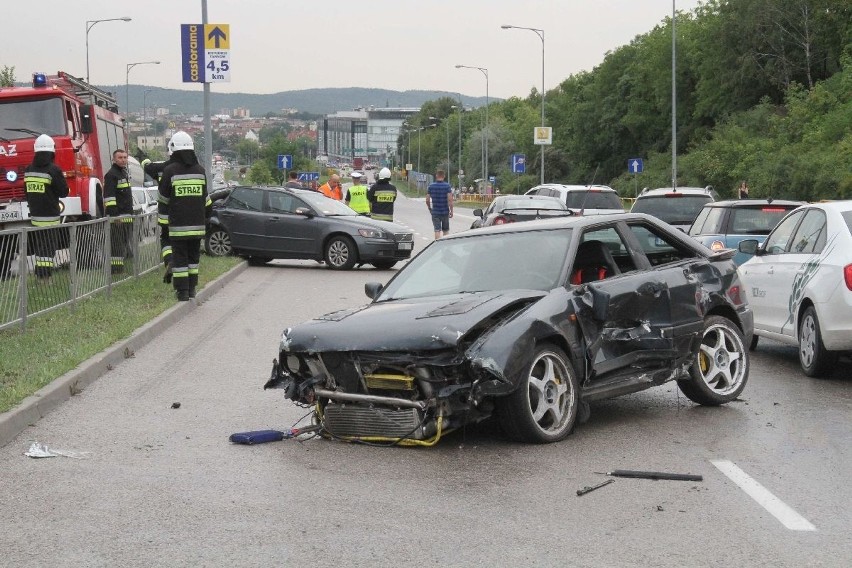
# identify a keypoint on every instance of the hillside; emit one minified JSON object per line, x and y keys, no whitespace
{"x":314,"y":101}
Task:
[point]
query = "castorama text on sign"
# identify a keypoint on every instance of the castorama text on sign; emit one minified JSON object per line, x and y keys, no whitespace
{"x":193,"y":61}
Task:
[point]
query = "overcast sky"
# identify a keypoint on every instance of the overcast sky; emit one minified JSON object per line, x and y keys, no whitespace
{"x":282,"y":45}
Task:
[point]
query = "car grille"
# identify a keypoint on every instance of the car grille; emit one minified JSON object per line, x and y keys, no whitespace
{"x":403,"y":237}
{"x":360,"y":421}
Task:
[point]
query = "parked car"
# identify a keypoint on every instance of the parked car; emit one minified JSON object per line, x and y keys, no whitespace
{"x":723,"y":224}
{"x":799,"y":283}
{"x":528,"y":321}
{"x":264,"y":223}
{"x":582,"y":199}
{"x":516,"y":208}
{"x":678,"y":207}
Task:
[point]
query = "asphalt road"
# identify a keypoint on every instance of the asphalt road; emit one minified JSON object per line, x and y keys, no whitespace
{"x":162,"y":486}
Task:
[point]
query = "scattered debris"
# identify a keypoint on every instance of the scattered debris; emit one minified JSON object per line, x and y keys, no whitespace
{"x":655,"y":475}
{"x":38,"y":450}
{"x":587,"y":489}
{"x":263,"y":436}
{"x":175,"y":405}
{"x":660,"y":508}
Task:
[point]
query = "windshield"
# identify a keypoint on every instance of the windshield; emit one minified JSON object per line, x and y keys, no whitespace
{"x":326,"y":205}
{"x":19,"y":119}
{"x":675,"y":210}
{"x":757,"y":220}
{"x":530,"y":260}
{"x":593,"y":200}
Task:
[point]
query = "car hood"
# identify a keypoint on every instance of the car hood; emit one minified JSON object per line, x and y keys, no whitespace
{"x":416,"y":324}
{"x":360,"y":221}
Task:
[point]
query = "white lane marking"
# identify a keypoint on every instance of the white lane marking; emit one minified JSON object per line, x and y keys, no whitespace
{"x":777,"y":508}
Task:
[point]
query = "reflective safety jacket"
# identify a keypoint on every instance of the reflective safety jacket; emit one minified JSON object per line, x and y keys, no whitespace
{"x":381,"y":197}
{"x":333,"y":193}
{"x":45,"y":185}
{"x":118,"y":197}
{"x":184,"y":205}
{"x":356,"y":198}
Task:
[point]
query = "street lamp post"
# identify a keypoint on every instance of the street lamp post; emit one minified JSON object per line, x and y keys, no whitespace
{"x":89,"y":25}
{"x":540,"y":34}
{"x":127,"y":82}
{"x":484,"y":71}
{"x":458,"y":165}
{"x":449,"y":178}
{"x":145,"y":115}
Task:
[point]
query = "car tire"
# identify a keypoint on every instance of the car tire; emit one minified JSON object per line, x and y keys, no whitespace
{"x":814,"y":358}
{"x":384,"y":264}
{"x":545,"y":405}
{"x":218,"y":242}
{"x":258,"y":260}
{"x":721,"y":368}
{"x":341,"y":253}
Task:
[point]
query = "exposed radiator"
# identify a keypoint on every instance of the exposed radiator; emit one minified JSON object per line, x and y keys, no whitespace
{"x":358,"y":420}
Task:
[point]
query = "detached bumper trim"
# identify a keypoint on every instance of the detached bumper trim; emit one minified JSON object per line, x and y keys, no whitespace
{"x":370,"y":399}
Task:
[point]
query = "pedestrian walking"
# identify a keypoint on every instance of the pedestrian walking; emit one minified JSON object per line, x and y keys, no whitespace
{"x":439,"y":201}
{"x":381,"y":196}
{"x":118,"y":203}
{"x":331,"y":188}
{"x":45,"y":185}
{"x":185,"y":207}
{"x":356,"y":196}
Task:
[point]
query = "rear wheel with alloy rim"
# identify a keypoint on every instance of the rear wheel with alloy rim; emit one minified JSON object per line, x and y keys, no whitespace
{"x":721,"y":367}
{"x":218,"y":242}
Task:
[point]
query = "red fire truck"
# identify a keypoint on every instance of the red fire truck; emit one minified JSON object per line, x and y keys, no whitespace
{"x":86,"y":127}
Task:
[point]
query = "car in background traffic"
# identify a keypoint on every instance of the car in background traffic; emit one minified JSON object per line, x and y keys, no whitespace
{"x":525,"y":321}
{"x":265,"y":223}
{"x":799,"y":283}
{"x":723,"y":224}
{"x":582,"y":199}
{"x":516,"y":208}
{"x":677,"y":206}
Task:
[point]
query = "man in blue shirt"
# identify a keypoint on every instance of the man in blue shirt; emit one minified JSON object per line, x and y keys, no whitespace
{"x":439,"y":200}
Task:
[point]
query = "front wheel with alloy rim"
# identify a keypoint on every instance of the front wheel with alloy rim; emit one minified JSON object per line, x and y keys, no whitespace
{"x":814,"y":358}
{"x":218,"y":242}
{"x":341,"y":253}
{"x":544,"y":406}
{"x":721,"y":367}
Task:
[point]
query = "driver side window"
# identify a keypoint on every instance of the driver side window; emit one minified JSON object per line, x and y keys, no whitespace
{"x":780,"y":237}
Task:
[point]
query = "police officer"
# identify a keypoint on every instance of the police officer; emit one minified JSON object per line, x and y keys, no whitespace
{"x":45,"y":185}
{"x":118,"y":203}
{"x":356,"y":196}
{"x":382,"y":196}
{"x":154,"y":170}
{"x":184,"y":208}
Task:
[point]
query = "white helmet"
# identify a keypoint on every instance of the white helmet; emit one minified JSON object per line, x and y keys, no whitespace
{"x":181,"y":141}
{"x":44,"y":143}
{"x":384,"y":173}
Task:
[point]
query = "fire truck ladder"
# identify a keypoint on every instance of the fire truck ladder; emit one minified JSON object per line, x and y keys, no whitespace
{"x":89,"y":92}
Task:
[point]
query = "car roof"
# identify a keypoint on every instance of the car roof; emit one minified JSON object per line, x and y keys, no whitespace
{"x":839,"y":206}
{"x":685,"y":190}
{"x":564,"y":187}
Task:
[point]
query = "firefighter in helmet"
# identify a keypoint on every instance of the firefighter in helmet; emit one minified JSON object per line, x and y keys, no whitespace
{"x":381,"y":196}
{"x":118,"y":203}
{"x":45,"y":185}
{"x":184,"y":208}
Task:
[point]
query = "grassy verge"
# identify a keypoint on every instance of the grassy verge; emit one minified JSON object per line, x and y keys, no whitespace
{"x":55,"y":343}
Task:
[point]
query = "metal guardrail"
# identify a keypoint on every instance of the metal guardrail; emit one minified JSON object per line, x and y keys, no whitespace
{"x":83,"y":263}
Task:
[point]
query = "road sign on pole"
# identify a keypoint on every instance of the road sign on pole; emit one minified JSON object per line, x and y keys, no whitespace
{"x":518,"y":163}
{"x":285,"y":161}
{"x":308,"y":176}
{"x":205,"y":53}
{"x":635,"y":165}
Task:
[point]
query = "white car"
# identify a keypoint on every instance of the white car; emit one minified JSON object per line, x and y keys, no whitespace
{"x":582,"y":199}
{"x":799,"y":283}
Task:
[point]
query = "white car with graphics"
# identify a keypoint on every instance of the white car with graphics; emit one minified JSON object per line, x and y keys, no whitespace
{"x":799,"y":283}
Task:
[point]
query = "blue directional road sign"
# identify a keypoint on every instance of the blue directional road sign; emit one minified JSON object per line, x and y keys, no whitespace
{"x":519,"y":163}
{"x":285,"y":161}
{"x":308,"y":176}
{"x":635,"y":165}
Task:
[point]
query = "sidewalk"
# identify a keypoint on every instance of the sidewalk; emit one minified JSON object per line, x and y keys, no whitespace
{"x":34,"y":407}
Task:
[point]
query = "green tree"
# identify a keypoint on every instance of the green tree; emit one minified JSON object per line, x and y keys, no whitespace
{"x":7,"y":76}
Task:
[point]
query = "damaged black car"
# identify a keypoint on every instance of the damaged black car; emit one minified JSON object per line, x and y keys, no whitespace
{"x":529,"y":323}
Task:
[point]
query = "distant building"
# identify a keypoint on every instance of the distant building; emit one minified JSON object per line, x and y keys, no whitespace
{"x":369,"y":133}
{"x":241,"y":112}
{"x":250,"y":135}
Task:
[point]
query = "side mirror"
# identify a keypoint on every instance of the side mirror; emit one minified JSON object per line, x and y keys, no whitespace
{"x":477,"y":212}
{"x":749,"y":246}
{"x":87,"y":114}
{"x":373,"y":289}
{"x":305,"y":211}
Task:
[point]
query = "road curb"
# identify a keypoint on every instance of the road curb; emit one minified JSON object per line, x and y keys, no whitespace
{"x":37,"y":405}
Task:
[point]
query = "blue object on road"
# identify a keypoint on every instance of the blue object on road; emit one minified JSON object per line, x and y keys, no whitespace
{"x":257,"y":437}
